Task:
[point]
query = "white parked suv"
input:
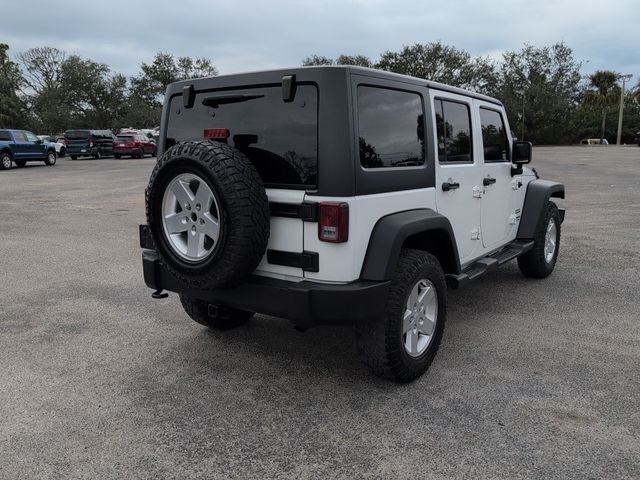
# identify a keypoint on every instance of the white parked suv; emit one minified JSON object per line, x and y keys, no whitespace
{"x":60,"y":146}
{"x":340,"y":195}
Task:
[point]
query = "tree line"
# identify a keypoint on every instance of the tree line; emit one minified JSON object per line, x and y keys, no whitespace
{"x":48,"y":91}
{"x":548,"y":99}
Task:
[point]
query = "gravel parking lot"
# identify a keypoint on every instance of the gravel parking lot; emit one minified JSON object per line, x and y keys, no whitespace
{"x":537,"y":379}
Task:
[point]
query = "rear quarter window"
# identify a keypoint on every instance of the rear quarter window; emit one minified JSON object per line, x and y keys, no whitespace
{"x":5,"y":136}
{"x":280,"y":138}
{"x":391,"y":128}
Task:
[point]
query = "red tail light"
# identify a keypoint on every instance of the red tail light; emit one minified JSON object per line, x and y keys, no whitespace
{"x":216,"y":133}
{"x":333,"y":222}
{"x":91,"y":142}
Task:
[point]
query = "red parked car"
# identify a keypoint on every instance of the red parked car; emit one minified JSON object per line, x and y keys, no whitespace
{"x":133,"y":144}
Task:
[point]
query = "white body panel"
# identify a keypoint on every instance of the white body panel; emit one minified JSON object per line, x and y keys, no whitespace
{"x":342,"y":262}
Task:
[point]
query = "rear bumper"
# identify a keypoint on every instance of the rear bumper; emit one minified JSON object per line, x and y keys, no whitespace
{"x":126,"y":150}
{"x":304,"y":303}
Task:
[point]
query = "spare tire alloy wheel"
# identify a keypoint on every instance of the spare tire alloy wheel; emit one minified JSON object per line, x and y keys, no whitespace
{"x":191,"y":217}
{"x":208,"y":213}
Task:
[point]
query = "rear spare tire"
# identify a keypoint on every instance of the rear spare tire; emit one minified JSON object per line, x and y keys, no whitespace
{"x":208,"y":213}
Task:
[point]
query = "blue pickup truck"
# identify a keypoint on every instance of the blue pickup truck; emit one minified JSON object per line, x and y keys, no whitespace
{"x":20,"y":147}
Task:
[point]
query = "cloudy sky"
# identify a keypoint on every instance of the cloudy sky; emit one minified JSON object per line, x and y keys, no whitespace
{"x":251,"y":35}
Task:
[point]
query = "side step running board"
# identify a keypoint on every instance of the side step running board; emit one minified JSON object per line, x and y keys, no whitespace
{"x":489,"y":263}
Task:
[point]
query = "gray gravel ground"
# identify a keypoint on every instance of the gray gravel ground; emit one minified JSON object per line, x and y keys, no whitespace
{"x":534,"y":379}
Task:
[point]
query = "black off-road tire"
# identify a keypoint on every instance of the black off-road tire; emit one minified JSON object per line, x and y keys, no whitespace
{"x":5,"y":161}
{"x":380,"y":342}
{"x":51,"y":158}
{"x":245,"y":216}
{"x":218,"y":317}
{"x":533,"y":264}
{"x":20,"y":163}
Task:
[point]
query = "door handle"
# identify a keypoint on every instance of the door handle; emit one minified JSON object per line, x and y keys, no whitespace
{"x":446,"y":186}
{"x":488,"y":181}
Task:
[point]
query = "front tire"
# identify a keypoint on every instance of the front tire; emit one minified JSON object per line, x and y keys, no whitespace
{"x":214,"y":315}
{"x":402,"y":343}
{"x":540,"y":261}
{"x":63,"y":152}
{"x":51,"y":158}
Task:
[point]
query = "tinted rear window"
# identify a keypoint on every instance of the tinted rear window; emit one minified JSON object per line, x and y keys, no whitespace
{"x":77,"y":134}
{"x":4,"y":135}
{"x":280,"y":138}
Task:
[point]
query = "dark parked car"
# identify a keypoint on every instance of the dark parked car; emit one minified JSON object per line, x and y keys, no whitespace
{"x":89,"y":143}
{"x":133,"y":144}
{"x":20,"y":147}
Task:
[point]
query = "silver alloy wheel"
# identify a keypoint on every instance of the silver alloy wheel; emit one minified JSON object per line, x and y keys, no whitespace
{"x":52,"y":158}
{"x":191,"y":217}
{"x":420,"y":316}
{"x":550,"y":241}
{"x":6,"y":161}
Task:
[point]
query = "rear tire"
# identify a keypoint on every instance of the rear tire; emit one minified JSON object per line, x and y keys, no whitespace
{"x":63,"y":152}
{"x":402,"y":343}
{"x":540,"y":261}
{"x":5,"y":161}
{"x":51,"y":158}
{"x":219,"y":317}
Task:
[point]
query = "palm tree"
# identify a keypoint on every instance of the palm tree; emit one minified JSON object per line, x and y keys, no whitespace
{"x":603,"y":92}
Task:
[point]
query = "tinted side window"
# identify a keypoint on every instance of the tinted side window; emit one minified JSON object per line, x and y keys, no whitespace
{"x":453,"y":125}
{"x":5,"y":136}
{"x":391,"y":128}
{"x":19,"y":137}
{"x":494,"y":136}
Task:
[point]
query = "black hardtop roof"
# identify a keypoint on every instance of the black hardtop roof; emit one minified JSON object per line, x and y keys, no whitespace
{"x":243,"y":78}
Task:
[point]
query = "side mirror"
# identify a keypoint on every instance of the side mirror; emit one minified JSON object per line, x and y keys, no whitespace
{"x":522,"y":153}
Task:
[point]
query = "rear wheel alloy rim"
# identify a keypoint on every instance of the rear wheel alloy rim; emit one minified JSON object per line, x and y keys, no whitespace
{"x":191,"y":217}
{"x":550,"y":241}
{"x":419,"y":318}
{"x":52,"y":158}
{"x":6,"y":162}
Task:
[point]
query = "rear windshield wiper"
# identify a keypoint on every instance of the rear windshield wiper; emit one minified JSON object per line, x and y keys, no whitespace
{"x":215,"y":101}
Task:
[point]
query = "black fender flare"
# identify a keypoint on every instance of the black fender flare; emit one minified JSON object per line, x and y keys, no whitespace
{"x":538,"y":194}
{"x":423,"y":229}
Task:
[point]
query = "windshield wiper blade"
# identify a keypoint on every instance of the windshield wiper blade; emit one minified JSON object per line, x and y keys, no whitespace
{"x":215,"y":101}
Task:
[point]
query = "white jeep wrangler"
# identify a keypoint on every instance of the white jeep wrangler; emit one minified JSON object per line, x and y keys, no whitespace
{"x":340,"y":195}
